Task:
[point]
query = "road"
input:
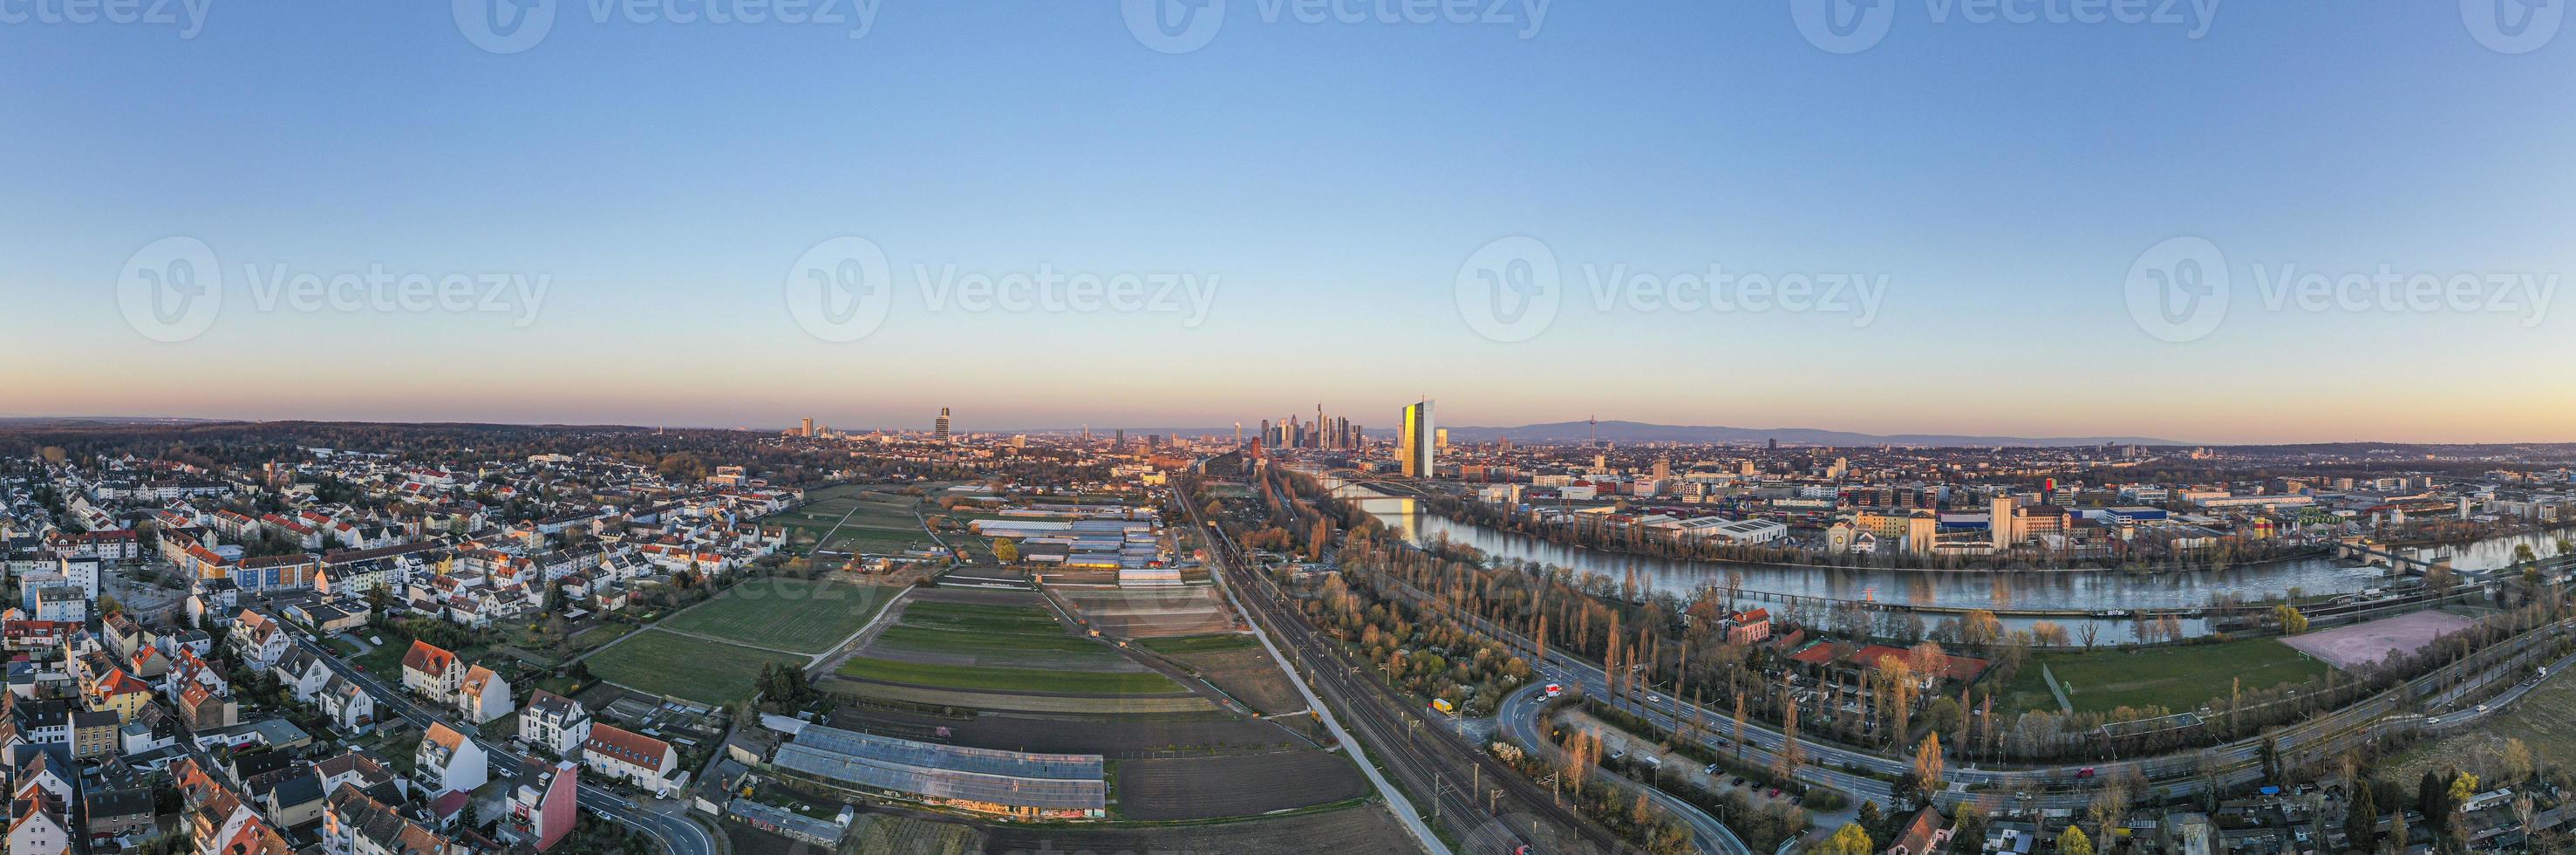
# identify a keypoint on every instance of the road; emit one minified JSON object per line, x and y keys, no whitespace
{"x":2064,"y":786}
{"x":673,"y":830}
{"x":1522,"y":722}
{"x":1419,"y":749}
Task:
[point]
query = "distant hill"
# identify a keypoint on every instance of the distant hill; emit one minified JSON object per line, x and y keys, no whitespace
{"x":1630,"y":432}
{"x":1635,"y":432}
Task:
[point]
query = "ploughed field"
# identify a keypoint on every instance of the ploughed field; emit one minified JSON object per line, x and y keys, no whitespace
{"x":1242,"y":785}
{"x":1365,"y":828}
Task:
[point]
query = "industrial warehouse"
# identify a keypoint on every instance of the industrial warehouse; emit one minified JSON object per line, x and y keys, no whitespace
{"x":1127,"y":541}
{"x":1008,"y":783}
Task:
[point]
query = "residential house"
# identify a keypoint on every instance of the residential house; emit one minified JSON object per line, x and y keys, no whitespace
{"x":260,"y":639}
{"x":555,"y":723}
{"x":621,"y":755}
{"x":431,"y":671}
{"x":483,"y":696}
{"x":448,"y":762}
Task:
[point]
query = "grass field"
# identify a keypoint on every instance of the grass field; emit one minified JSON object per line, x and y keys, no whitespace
{"x":1008,"y":636}
{"x":1009,"y":679}
{"x":660,"y":663}
{"x":2545,"y":721}
{"x":1199,"y":643}
{"x":786,"y":614}
{"x":2177,"y":678}
{"x":857,"y":517}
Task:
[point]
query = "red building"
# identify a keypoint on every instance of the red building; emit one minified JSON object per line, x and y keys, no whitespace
{"x":544,"y":810}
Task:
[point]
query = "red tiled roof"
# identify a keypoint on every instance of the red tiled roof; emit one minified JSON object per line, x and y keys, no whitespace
{"x":635,"y":748}
{"x":427,"y":658}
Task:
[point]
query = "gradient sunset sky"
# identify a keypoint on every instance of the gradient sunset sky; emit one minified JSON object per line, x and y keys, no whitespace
{"x":1332,"y":178}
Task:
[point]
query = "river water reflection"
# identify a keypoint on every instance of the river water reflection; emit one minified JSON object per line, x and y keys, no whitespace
{"x":2070,"y":590}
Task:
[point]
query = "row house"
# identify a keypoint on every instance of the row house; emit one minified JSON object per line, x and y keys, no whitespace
{"x":276,"y":573}
{"x":235,"y":525}
{"x":295,"y":532}
{"x":622,"y":755}
{"x":354,"y":823}
{"x":114,"y":545}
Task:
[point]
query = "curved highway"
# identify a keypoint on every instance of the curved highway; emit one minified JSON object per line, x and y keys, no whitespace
{"x":2064,"y":786}
{"x":1521,"y":722}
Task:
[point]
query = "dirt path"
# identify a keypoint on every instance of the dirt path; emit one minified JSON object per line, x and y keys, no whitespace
{"x":823,"y":663}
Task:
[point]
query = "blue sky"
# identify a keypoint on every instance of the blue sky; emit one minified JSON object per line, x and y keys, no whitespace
{"x":1329,"y":180}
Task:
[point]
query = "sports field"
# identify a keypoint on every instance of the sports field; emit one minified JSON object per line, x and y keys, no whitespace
{"x":2177,"y":678}
{"x":786,"y":614}
{"x":2370,"y":643}
{"x":657,"y":662}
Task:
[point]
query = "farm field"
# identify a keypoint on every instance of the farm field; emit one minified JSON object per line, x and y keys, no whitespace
{"x":1364,"y":828}
{"x":857,"y":517}
{"x":2177,"y":678}
{"x":1153,"y":612}
{"x":1187,"y":644}
{"x":660,"y":663}
{"x":997,"y":640}
{"x":1010,"y":679}
{"x":1248,"y":674}
{"x":1116,"y":736}
{"x":885,"y":833}
{"x":2545,"y":721}
{"x":1003,"y":701}
{"x":1242,"y":785}
{"x":786,"y":614}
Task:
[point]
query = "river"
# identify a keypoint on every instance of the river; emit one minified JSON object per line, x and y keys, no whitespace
{"x":2071,"y":590}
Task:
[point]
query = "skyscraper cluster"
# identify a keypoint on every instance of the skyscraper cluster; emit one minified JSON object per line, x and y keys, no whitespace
{"x":1327,"y":433}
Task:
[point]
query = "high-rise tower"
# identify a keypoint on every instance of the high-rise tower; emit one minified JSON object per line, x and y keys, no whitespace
{"x":1417,"y":448}
{"x":939,"y":429}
